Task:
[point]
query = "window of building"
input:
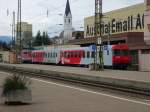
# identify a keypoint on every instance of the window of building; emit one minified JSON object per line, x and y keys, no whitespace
{"x":145,"y":51}
{"x":69,"y":20}
{"x":148,"y":2}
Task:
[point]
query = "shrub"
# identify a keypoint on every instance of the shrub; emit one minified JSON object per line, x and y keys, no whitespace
{"x":15,"y":82}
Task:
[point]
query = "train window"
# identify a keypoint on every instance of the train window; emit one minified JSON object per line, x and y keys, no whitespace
{"x":25,"y":53}
{"x":62,"y":54}
{"x":75,"y":54}
{"x":117,"y":52}
{"x":83,"y":54}
{"x":56,"y":55}
{"x":33,"y":55}
{"x":71,"y":54}
{"x":53,"y":55}
{"x":93,"y":54}
{"x":65,"y":54}
{"x":79,"y":54}
{"x":49,"y":55}
{"x":124,"y":52}
{"x":88,"y":54}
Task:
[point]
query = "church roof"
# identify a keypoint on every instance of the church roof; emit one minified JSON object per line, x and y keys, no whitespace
{"x":67,"y":11}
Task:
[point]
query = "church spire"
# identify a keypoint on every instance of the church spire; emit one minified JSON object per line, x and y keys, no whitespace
{"x":67,"y":10}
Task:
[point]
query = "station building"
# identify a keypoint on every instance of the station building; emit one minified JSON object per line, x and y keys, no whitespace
{"x":147,"y":22}
{"x":124,"y":25}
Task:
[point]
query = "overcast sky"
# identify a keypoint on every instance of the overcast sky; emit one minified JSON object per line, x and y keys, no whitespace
{"x":34,"y":11}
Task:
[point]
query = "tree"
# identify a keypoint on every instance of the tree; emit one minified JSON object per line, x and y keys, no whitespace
{"x":4,"y":46}
{"x":47,"y":40}
{"x":38,"y":39}
{"x":42,"y":40}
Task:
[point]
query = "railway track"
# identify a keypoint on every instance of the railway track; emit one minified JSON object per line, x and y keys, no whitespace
{"x":58,"y":77}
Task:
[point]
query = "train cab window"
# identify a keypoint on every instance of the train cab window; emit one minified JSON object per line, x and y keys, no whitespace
{"x":117,"y":52}
{"x":88,"y":54}
{"x":124,"y":52}
{"x":93,"y":54}
{"x":121,"y":52}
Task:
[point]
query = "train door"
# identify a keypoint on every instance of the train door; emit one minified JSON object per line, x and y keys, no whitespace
{"x":107,"y":55}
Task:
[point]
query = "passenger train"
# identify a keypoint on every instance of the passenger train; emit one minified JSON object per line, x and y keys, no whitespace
{"x":113,"y":55}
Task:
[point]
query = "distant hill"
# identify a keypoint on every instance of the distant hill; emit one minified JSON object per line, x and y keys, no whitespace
{"x":6,"y":39}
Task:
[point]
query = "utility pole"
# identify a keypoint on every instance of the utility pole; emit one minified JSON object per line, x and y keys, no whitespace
{"x":98,"y":35}
{"x":108,"y":41}
{"x":13,"y":32}
{"x":19,"y":39}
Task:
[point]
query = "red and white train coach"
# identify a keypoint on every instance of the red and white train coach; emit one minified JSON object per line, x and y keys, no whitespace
{"x":113,"y":55}
{"x":26,"y":56}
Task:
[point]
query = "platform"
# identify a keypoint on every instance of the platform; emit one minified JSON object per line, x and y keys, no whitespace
{"x":50,"y":96}
{"x":132,"y":79}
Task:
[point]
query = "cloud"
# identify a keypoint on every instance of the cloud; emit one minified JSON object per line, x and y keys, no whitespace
{"x":34,"y":11}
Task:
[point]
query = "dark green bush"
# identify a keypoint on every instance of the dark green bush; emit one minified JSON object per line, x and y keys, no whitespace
{"x":15,"y":82}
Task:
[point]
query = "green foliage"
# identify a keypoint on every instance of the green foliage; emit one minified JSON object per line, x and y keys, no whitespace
{"x":15,"y":82}
{"x":42,"y":39}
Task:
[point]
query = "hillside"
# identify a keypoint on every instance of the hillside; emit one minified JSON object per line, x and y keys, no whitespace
{"x":6,"y":39}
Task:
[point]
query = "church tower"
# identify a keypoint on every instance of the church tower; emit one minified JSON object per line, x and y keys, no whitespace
{"x":67,"y":23}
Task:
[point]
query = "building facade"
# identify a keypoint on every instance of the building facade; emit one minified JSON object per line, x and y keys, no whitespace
{"x":147,"y":22}
{"x":26,"y":34}
{"x":125,"y":25}
{"x":129,"y":19}
{"x":67,"y":23}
